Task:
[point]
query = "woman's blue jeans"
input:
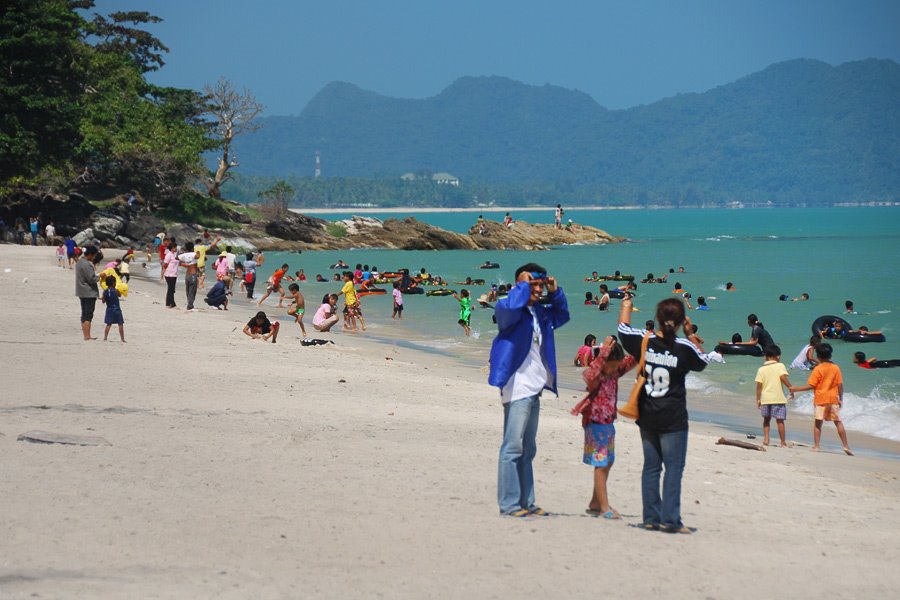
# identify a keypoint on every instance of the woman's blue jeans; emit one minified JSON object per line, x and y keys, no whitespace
{"x":515,"y":480}
{"x":669,"y":450}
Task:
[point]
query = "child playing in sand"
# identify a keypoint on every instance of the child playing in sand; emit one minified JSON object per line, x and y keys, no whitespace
{"x":827,"y":384}
{"x":398,"y":302}
{"x":297,"y":307}
{"x":259,"y":327}
{"x":465,"y":309}
{"x":113,"y":309}
{"x":770,"y":398}
{"x":598,"y":412}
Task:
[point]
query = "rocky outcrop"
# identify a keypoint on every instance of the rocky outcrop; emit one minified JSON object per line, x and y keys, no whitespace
{"x":69,"y":213}
{"x":528,"y":236}
{"x":299,"y":228}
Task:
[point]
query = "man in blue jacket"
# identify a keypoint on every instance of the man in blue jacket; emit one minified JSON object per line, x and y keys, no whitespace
{"x":523,"y":364}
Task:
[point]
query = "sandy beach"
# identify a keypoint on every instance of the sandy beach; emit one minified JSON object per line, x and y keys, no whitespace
{"x":240,"y":469}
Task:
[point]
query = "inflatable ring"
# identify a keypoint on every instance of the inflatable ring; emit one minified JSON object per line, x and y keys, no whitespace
{"x":440,"y":292}
{"x":412,"y":290}
{"x":827,"y":321}
{"x":619,"y":277}
{"x":371,"y":293}
{"x":739,"y":349}
{"x":860,"y":337}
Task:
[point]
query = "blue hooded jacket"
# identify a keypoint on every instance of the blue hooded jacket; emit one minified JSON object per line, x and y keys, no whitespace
{"x":513,"y":341}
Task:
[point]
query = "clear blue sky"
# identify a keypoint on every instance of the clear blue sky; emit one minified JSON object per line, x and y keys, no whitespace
{"x":621,"y":52}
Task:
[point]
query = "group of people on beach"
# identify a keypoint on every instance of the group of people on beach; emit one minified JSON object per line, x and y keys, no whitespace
{"x":523,"y":365}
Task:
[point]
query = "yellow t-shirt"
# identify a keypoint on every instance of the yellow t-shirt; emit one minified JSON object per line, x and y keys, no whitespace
{"x":769,"y":375}
{"x":349,"y":292}
{"x":825,"y":379}
{"x":200,"y":249}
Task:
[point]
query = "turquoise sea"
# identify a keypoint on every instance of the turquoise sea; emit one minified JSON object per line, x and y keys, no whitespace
{"x":833,"y":254}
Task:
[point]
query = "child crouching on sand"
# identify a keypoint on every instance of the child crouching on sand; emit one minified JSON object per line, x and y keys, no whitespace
{"x":770,"y":398}
{"x":598,"y":412}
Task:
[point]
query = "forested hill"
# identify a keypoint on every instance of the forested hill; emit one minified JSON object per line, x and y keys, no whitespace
{"x":798,"y":131}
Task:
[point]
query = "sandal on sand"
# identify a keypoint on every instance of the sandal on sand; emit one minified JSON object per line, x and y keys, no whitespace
{"x":609,"y":514}
{"x":522,"y":512}
{"x":682,"y":529}
{"x":537,"y":511}
{"x":647,"y":526}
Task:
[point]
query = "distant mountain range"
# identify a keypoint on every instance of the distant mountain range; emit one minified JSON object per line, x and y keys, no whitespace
{"x":797,"y":131}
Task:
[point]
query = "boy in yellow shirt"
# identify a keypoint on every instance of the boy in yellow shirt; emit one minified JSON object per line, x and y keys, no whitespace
{"x":770,"y":398}
{"x":828,"y":386}
{"x":352,"y":310}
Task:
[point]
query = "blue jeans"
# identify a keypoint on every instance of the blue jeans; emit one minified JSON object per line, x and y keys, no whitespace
{"x":515,"y":480}
{"x":669,"y":450}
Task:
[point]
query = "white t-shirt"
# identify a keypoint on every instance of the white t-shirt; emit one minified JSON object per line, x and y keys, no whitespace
{"x":230,"y":258}
{"x":50,"y":231}
{"x":188,"y":258}
{"x":531,"y":376}
{"x":800,"y":362}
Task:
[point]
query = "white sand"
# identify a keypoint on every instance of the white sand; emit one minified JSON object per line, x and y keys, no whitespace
{"x":240,"y":469}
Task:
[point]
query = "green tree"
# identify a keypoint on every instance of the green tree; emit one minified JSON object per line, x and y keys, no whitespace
{"x":276,"y":200}
{"x":41,"y":76}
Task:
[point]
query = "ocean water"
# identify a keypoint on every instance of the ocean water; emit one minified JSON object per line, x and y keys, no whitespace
{"x":833,"y":254}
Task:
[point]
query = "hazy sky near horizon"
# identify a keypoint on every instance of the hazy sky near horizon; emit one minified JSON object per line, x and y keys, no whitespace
{"x":621,"y":52}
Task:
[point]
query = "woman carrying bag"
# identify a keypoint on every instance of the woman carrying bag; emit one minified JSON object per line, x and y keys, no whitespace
{"x":662,"y":408}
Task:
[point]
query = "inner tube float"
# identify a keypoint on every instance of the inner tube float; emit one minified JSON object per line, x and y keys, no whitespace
{"x":492,"y":265}
{"x":412,"y":290}
{"x":390,"y":275}
{"x":826,"y":321}
{"x":339,"y":266}
{"x":616,"y":293}
{"x":372,"y":292}
{"x":739,"y":349}
{"x":440,"y":292}
{"x":861,"y":337}
{"x":619,"y":277}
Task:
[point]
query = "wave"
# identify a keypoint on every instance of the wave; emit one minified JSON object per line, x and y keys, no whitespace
{"x":877,"y":414}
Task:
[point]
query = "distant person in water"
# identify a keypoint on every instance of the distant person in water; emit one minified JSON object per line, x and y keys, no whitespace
{"x":848,"y":308}
{"x":585,"y":353}
{"x":860,"y":360}
{"x":729,"y":287}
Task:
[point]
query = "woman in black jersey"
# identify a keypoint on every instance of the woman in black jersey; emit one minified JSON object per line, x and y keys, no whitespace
{"x":662,"y":406}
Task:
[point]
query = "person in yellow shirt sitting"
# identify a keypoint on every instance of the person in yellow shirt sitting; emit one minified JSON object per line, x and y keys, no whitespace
{"x":770,"y":398}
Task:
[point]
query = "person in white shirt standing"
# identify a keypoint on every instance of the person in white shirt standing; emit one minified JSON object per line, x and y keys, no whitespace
{"x":523,"y":364}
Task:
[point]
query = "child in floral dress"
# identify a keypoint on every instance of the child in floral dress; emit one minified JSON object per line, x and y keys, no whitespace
{"x":598,"y":412}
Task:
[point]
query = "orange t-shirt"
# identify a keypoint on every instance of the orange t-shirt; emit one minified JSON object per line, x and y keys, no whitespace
{"x":277,"y":276}
{"x":825,"y":379}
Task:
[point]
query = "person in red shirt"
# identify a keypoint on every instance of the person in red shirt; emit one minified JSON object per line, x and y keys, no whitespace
{"x":274,"y":284}
{"x":859,"y":358}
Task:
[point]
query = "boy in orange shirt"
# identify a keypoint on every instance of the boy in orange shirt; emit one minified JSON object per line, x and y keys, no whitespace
{"x":828,"y":387}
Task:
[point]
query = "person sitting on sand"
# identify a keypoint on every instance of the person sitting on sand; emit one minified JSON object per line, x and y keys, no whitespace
{"x":326,"y":315}
{"x":259,"y":327}
{"x":585,"y":353}
{"x":859,"y":359}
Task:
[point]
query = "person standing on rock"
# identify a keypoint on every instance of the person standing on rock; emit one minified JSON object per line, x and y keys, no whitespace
{"x":523,"y":365}
{"x":34,"y":225}
{"x":86,"y":289}
{"x":559,"y":215}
